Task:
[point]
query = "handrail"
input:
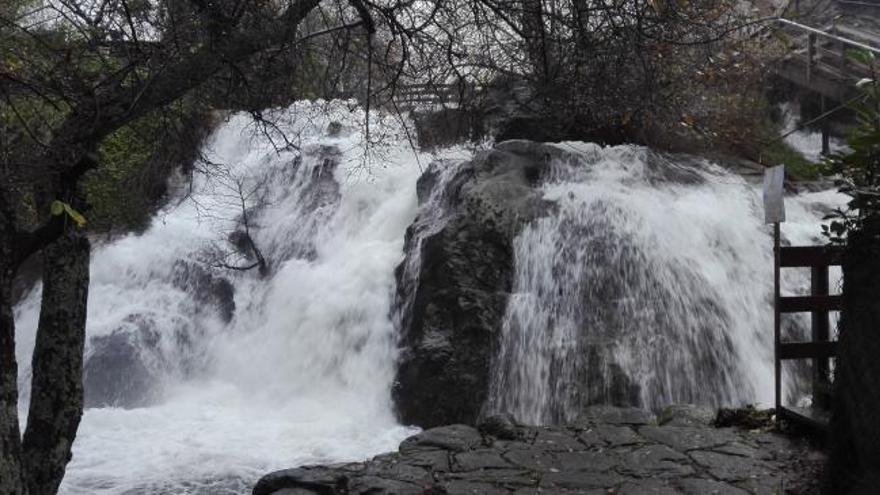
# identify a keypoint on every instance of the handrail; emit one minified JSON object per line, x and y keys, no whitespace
{"x":847,"y":41}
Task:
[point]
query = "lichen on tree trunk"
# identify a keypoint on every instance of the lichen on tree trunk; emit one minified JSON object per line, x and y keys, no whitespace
{"x":56,"y":404}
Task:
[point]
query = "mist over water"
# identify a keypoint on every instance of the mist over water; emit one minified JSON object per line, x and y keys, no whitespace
{"x":299,"y":368}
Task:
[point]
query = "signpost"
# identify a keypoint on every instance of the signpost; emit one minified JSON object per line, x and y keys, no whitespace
{"x":774,"y":212}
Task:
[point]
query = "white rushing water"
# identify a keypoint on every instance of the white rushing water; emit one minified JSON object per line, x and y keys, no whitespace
{"x":652,"y":285}
{"x":302,"y":372}
{"x":805,"y":141}
{"x":201,"y":397}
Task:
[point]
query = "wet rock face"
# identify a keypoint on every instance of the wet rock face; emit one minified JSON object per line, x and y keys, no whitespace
{"x":608,"y":450}
{"x":115,"y":373}
{"x":451,"y":308}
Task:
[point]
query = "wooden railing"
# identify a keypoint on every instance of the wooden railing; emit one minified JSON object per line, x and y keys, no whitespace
{"x":822,"y":58}
{"x":820,"y":349}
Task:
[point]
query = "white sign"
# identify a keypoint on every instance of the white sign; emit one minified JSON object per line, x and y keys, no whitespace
{"x":774,"y":206}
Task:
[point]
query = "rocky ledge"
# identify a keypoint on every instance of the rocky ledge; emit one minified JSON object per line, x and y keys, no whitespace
{"x":610,"y":450}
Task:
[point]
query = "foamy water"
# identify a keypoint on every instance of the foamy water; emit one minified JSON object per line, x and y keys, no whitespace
{"x":302,"y":372}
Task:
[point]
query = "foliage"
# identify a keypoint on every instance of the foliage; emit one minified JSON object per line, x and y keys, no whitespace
{"x":859,"y":166}
{"x":796,"y":164}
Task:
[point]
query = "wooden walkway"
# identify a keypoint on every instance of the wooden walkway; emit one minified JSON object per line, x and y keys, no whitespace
{"x":820,"y":59}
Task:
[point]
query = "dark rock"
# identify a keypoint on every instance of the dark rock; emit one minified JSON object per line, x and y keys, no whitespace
{"x":617,"y":415}
{"x":509,"y":478}
{"x":647,"y":487}
{"x":463,"y":487}
{"x":452,"y":305}
{"x":434,"y":460}
{"x":115,"y":373}
{"x":580,"y":480}
{"x":377,"y":485}
{"x":210,"y":290}
{"x":457,"y":438}
{"x":611,"y":436}
{"x":656,"y":461}
{"x":686,"y":415}
{"x":684,"y":438}
{"x":500,"y":426}
{"x":557,"y":440}
{"x":745,"y":417}
{"x":730,"y":467}
{"x":320,"y":480}
{"x":699,"y":486}
{"x":480,"y":459}
{"x":454,"y":460}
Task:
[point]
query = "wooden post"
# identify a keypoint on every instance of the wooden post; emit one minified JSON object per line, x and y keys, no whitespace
{"x":777,"y":333}
{"x":820,"y":329}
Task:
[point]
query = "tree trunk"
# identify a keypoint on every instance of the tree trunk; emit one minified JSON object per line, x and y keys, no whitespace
{"x":10,"y":435}
{"x":56,"y":389}
{"x":855,"y":430}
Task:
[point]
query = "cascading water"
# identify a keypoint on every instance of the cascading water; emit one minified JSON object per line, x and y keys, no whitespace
{"x":205,"y":378}
{"x":650,"y":285}
{"x":227,"y":375}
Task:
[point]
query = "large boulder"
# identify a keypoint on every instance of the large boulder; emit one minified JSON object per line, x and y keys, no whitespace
{"x":454,"y":284}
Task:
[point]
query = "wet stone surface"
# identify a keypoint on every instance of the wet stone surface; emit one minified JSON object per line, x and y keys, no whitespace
{"x":619,"y":451}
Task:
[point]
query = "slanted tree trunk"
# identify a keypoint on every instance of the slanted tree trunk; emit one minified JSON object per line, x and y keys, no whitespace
{"x":56,"y":404}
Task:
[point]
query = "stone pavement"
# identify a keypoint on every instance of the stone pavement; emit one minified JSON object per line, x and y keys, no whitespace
{"x":610,"y":450}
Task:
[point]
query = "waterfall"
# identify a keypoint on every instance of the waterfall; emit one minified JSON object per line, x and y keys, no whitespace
{"x":649,"y":282}
{"x":650,"y":285}
{"x":208,"y":378}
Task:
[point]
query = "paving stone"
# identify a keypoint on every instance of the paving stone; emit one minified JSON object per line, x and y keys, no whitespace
{"x":780,"y":447}
{"x":564,"y":440}
{"x":621,"y":456}
{"x":584,"y":461}
{"x":647,"y":487}
{"x":434,"y":460}
{"x":541,"y":460}
{"x":616,"y":436}
{"x":375,"y":484}
{"x":617,"y":415}
{"x":453,"y":437}
{"x":394,"y":469}
{"x":684,"y":438}
{"x":462,"y":487}
{"x":763,"y":485}
{"x":582,"y":479}
{"x":743,"y":450}
{"x":686,"y":415}
{"x":501,"y":426}
{"x":730,"y":467}
{"x":480,"y":459}
{"x":699,"y":486}
{"x":656,"y":460}
{"x":534,"y":459}
{"x":511,"y":478}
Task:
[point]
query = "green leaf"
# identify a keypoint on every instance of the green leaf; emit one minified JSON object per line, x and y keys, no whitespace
{"x":59,"y":207}
{"x":75,"y":215}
